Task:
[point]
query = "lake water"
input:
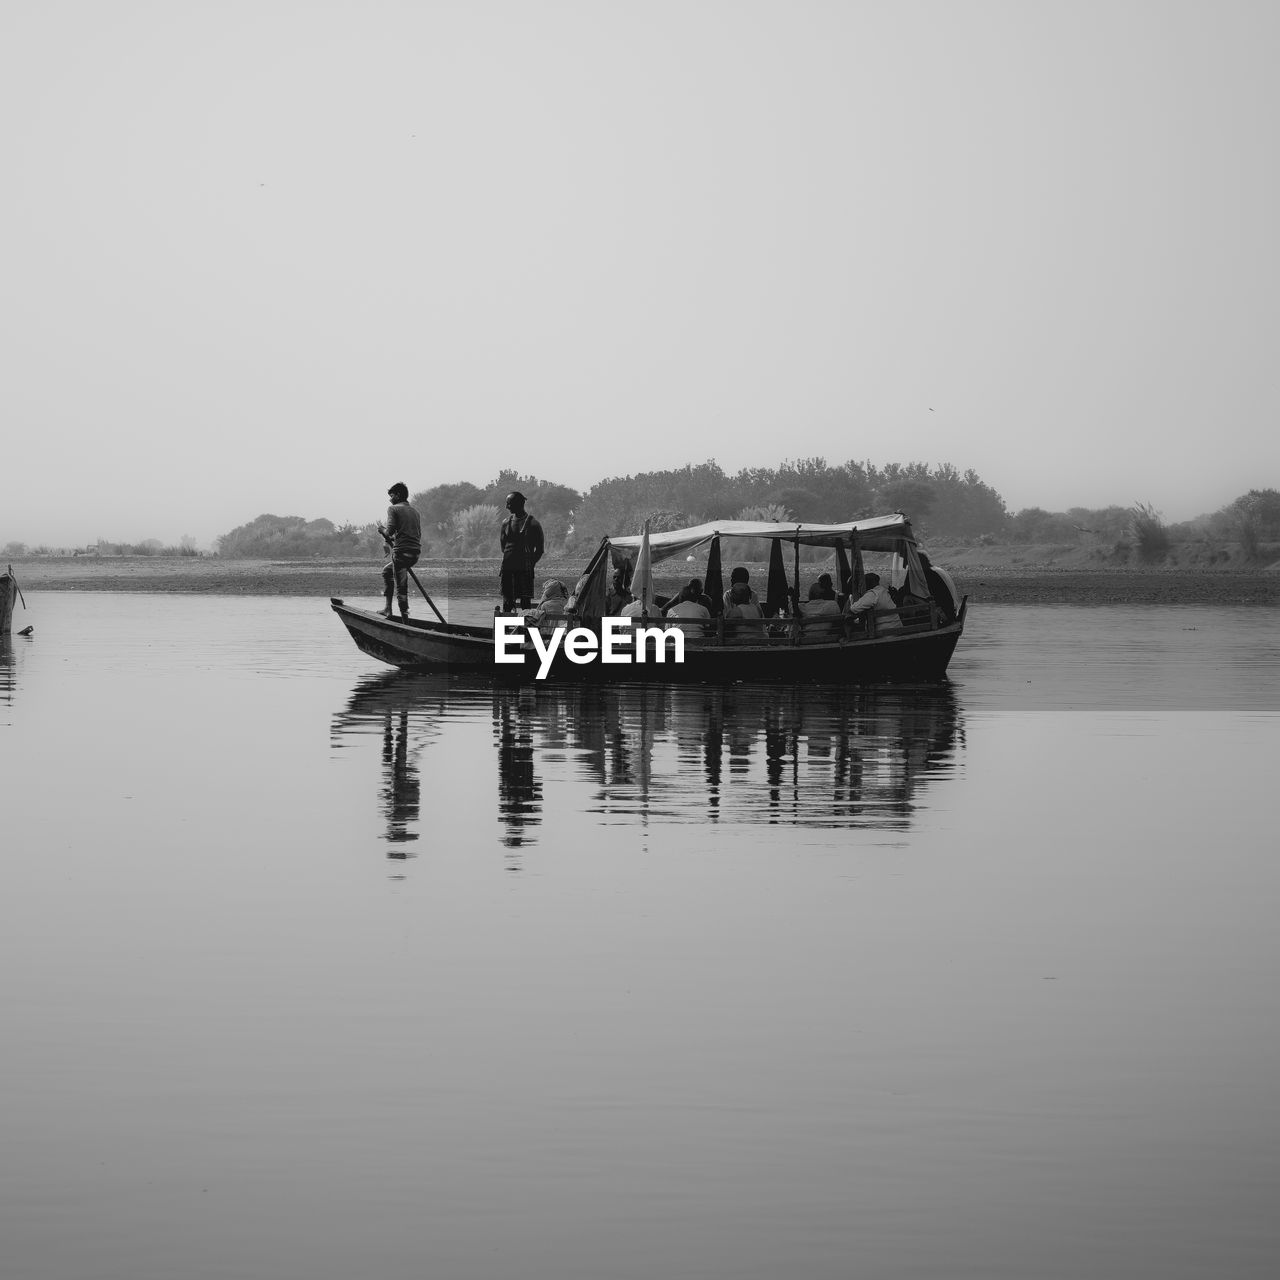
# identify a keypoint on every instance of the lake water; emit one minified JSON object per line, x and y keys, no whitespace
{"x":313,"y":970}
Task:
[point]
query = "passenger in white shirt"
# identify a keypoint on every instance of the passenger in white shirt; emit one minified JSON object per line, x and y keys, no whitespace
{"x":877,"y":600}
{"x":742,"y":604}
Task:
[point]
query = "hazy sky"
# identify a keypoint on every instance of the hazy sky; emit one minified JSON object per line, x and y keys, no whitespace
{"x":264,"y":255}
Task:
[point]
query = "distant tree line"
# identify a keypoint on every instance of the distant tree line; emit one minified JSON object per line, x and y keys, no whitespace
{"x":1140,"y":532}
{"x":463,"y":519}
{"x":938,"y":499}
{"x":945,"y":505}
{"x":148,"y":547}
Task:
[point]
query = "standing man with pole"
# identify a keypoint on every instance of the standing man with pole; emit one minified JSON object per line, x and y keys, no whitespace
{"x":403,"y":536}
{"x":522,"y":546}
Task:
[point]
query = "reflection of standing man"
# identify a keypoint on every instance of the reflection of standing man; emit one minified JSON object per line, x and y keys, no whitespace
{"x":519,"y":791}
{"x":403,"y":535}
{"x":521,"y":542}
{"x":401,"y":796}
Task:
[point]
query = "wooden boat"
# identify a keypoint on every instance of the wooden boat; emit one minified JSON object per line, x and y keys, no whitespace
{"x":845,"y":649}
{"x":8,"y":594}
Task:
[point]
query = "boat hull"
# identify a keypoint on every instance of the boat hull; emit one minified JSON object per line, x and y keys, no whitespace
{"x":417,"y":643}
{"x":897,"y":658}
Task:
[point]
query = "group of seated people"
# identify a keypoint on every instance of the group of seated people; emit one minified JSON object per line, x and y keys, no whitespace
{"x":822,"y":602}
{"x":741,"y":604}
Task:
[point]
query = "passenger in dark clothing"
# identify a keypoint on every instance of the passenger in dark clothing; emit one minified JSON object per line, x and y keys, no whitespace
{"x":618,"y":596}
{"x":403,"y":536}
{"x":521,"y":541}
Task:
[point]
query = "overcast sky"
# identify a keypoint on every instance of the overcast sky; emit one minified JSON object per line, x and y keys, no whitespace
{"x":264,"y":255}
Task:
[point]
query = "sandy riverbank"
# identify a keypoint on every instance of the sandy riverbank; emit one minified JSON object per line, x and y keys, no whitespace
{"x":1010,"y":577}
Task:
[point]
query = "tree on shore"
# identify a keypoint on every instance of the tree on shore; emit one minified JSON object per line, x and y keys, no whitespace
{"x":270,"y":537}
{"x":453,"y":515}
{"x":1148,"y":531}
{"x":1254,"y":517}
{"x":475,"y":529}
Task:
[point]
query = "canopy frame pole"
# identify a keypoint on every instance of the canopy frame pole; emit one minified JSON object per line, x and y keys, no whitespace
{"x":796,"y":597}
{"x":859,"y":569}
{"x":713,"y":560}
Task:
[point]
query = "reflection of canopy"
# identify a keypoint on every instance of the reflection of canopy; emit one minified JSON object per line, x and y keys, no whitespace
{"x":814,"y":756}
{"x":876,"y":534}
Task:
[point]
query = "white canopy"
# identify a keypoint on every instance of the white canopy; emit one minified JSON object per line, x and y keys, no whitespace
{"x":681,"y":541}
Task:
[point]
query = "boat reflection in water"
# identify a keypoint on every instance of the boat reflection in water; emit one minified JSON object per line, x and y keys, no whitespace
{"x":828,"y":756}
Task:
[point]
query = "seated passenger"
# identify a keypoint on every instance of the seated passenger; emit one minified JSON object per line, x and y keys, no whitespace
{"x":825,"y":588}
{"x":743,"y":619}
{"x":616,"y":597}
{"x":820,"y":615}
{"x":876,"y":599}
{"x":551,"y":608}
{"x":739,"y":577}
{"x":688,"y":611}
{"x":819,"y":604}
{"x":742,"y":604}
{"x":690,"y":603}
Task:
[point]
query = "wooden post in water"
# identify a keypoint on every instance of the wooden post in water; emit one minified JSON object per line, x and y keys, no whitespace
{"x":8,"y":593}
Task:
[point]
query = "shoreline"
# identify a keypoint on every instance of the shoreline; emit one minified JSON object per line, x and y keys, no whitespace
{"x":358,"y":579}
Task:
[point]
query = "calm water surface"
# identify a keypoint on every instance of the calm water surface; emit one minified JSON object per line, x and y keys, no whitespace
{"x":317,"y":970}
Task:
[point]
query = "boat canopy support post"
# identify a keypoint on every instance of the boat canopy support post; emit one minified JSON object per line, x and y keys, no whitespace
{"x":858,"y":583}
{"x":844,"y":573}
{"x":775,"y":598}
{"x":795,"y":606}
{"x":713,"y":584}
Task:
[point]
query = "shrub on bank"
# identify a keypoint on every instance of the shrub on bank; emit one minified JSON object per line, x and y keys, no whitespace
{"x":1147,"y":529}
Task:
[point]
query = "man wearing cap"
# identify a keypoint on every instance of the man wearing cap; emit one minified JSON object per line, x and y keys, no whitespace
{"x":522,"y":545}
{"x":403,"y":536}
